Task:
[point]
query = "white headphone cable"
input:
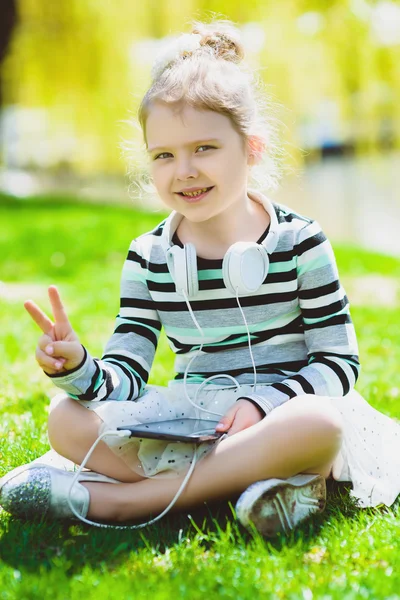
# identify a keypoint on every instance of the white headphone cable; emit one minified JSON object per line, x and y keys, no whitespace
{"x":190,"y":362}
{"x":249,"y":341}
{"x":126,"y":433}
{"x":221,"y":374}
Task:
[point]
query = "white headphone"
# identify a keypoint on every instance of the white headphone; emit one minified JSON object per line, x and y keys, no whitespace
{"x":244,"y":268}
{"x":245,"y":264}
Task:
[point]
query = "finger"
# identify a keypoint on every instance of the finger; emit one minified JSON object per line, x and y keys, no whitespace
{"x":223,"y":424}
{"x":226,"y":421}
{"x":67,"y":350}
{"x":60,"y":316}
{"x":44,"y":341}
{"x":45,"y":324}
{"x":222,"y":427}
{"x":235,"y":427}
{"x":239,"y":424}
{"x":51,"y":365}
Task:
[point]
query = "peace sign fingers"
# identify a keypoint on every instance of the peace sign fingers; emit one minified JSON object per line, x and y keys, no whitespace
{"x":59,"y":347}
{"x":61,"y":328}
{"x":60,"y":316}
{"x":45,"y":324}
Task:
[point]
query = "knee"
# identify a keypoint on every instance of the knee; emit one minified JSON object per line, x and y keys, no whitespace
{"x":315,"y":415}
{"x":320,"y":408}
{"x":62,"y":424}
{"x":58,"y":399}
{"x":328,"y":422}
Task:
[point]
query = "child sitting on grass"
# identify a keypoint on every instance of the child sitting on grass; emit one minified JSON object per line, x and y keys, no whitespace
{"x":248,"y":294}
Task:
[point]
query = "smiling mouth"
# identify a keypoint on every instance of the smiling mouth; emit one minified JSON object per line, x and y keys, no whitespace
{"x":195,"y":195}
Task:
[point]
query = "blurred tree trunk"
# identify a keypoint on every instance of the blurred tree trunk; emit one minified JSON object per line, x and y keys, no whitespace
{"x":8,"y":20}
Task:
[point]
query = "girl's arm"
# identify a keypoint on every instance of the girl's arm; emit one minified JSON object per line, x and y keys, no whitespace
{"x":333,"y":365}
{"x":123,"y":370}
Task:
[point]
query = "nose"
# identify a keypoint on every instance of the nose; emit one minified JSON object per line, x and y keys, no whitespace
{"x":185,"y":169}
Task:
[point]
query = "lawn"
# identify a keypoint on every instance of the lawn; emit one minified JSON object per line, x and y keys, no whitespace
{"x":345,"y":553}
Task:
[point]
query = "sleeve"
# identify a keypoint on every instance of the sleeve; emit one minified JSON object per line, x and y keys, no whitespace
{"x":123,"y":370}
{"x":333,"y":366}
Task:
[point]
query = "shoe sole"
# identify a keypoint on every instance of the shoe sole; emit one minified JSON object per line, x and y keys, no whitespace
{"x":279,"y":505}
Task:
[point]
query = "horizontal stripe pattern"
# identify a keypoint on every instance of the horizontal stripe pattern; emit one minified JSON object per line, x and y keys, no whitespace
{"x":301,"y":332}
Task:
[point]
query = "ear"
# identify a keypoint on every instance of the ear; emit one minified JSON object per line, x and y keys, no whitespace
{"x":255,"y":149}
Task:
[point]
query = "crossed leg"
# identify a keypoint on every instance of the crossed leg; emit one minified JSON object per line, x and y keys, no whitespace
{"x":302,"y":436}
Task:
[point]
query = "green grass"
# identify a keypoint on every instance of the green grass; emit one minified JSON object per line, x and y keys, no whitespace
{"x":344,"y":553}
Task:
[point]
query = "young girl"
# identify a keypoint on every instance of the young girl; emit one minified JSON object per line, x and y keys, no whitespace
{"x":247,"y":291}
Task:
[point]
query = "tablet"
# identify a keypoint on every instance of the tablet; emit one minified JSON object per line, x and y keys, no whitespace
{"x":177,"y":430}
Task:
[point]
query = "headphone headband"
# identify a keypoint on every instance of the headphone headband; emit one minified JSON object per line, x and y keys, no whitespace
{"x":245,"y":264}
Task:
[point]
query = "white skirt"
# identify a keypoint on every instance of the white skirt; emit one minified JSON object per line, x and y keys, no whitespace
{"x":369,"y":457}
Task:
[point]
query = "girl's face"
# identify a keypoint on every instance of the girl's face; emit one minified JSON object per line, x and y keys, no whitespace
{"x":196,"y":149}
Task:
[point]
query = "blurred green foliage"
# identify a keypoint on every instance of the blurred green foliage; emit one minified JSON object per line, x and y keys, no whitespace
{"x":88,"y":65}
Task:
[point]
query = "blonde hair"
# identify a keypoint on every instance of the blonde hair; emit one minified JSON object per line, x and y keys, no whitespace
{"x":203,"y":69}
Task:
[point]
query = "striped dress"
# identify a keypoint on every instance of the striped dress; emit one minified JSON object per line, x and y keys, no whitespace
{"x":302,"y":336}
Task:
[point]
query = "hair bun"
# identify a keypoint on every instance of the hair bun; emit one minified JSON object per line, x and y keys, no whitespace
{"x":222,"y":37}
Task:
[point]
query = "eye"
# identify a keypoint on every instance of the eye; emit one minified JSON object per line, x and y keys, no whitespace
{"x":206,"y":147}
{"x":164,"y":153}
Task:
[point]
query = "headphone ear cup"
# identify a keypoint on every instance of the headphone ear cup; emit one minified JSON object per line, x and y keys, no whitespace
{"x":176,"y":262}
{"x":245,"y":267}
{"x":182,"y":265}
{"x":191,"y":270}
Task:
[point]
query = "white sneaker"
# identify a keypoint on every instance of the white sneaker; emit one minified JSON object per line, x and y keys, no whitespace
{"x":53,"y":459}
{"x":279,"y":505}
{"x":41,"y":490}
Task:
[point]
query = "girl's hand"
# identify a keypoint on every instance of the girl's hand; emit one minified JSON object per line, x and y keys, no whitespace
{"x":59,"y":349}
{"x":241,"y":415}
